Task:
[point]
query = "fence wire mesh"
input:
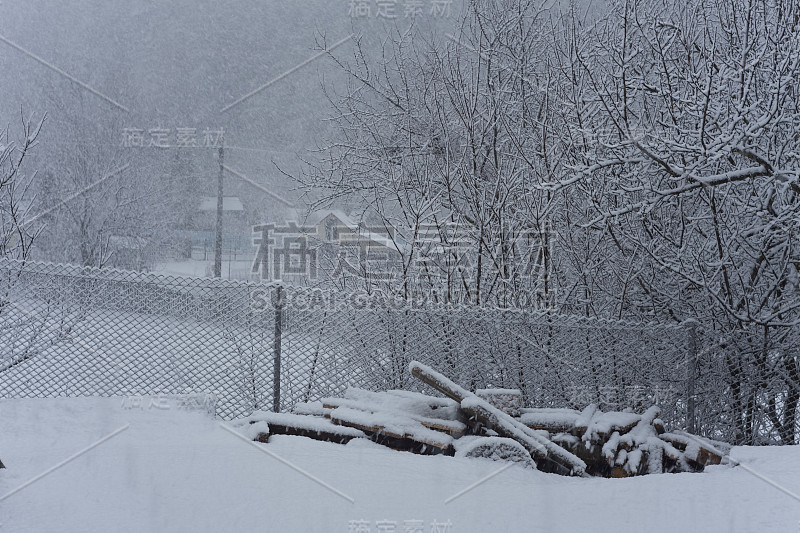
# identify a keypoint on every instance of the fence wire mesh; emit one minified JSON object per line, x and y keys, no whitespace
{"x":555,"y":361}
{"x":71,"y":331}
{"x":74,"y":331}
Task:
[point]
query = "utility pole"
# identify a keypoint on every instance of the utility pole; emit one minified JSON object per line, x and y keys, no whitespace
{"x":218,"y":242}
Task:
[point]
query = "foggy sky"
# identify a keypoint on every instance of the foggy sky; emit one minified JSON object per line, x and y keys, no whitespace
{"x":177,"y":64}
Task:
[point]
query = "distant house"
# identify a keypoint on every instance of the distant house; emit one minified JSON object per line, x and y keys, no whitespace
{"x":235,"y":228}
{"x":335,"y":226}
{"x":230,"y":204}
{"x":330,"y":244}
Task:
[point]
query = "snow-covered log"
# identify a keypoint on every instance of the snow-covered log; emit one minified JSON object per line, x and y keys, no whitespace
{"x":394,"y":428}
{"x":552,"y":420}
{"x":261,"y":424}
{"x":494,"y":448}
{"x":694,"y":448}
{"x":564,"y":441}
{"x":507,"y":400}
{"x":543,"y":450}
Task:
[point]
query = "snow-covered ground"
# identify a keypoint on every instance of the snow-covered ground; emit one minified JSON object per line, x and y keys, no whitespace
{"x":204,"y":268}
{"x":119,"y":352}
{"x":171,"y":469}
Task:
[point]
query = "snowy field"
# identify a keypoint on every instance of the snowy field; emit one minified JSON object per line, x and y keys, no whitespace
{"x":170,"y":469}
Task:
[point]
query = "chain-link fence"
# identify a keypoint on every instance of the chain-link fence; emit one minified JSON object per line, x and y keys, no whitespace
{"x":73,"y":331}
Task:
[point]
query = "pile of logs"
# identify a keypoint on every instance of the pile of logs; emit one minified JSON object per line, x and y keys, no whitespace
{"x":492,"y":423}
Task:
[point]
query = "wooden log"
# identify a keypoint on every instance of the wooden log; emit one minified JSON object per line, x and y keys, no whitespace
{"x":261,"y":437}
{"x":381,"y":406}
{"x":592,"y":456}
{"x":619,"y":472}
{"x":255,"y":430}
{"x":694,"y":448}
{"x":548,"y":455}
{"x":301,"y":425}
{"x":491,"y":417}
{"x":636,"y":461}
{"x":585,"y":418}
{"x":310,"y":409}
{"x":671,"y":452}
{"x":551,"y":420}
{"x":326,"y":436}
{"x":706,"y":457}
{"x":621,"y":457}
{"x":602,"y":425}
{"x":339,"y":416}
{"x":409,"y":445}
{"x":495,"y":448}
{"x":454,"y":429}
{"x":678,"y":441}
{"x":434,"y":403}
{"x":507,"y":400}
{"x":391,"y":425}
{"x":438,"y":381}
{"x":611,"y":447}
{"x":655,"y":456}
{"x":718,"y":447}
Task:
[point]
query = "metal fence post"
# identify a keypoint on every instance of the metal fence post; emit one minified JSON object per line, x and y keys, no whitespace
{"x":691,"y":375}
{"x":276,"y":351}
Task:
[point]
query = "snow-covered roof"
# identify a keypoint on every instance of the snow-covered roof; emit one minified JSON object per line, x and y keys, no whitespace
{"x":378,"y":238}
{"x":315,"y":217}
{"x":358,"y":231}
{"x":229,"y":203}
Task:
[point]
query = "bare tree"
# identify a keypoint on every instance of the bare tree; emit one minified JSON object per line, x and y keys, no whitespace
{"x":100,"y":198}
{"x":649,"y":145}
{"x":428,"y":145}
{"x":16,"y":236}
{"x":28,"y":326}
